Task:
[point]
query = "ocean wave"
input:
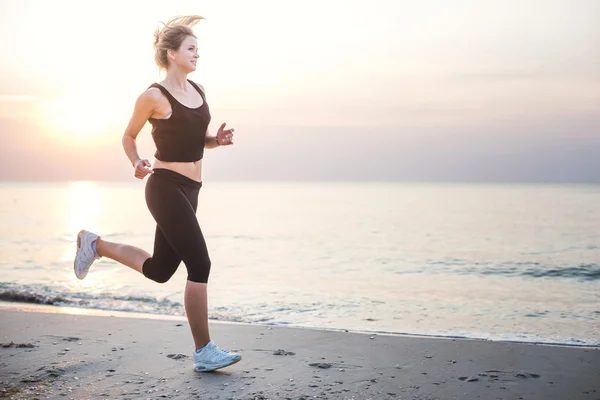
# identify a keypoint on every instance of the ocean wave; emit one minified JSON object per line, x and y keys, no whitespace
{"x":50,"y":296}
{"x":20,"y":296}
{"x":583,"y":272}
{"x":262,"y":314}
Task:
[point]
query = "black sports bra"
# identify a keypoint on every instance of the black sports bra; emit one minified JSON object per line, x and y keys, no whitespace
{"x":181,"y":136}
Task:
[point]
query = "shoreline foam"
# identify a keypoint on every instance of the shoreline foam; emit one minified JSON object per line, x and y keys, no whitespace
{"x":53,"y":309}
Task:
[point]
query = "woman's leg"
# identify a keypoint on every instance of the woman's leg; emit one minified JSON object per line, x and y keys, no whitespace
{"x":159,"y":267}
{"x":182,"y":230}
{"x":125,"y":254}
{"x":196,"y":293}
{"x":196,"y":309}
{"x":174,"y":210}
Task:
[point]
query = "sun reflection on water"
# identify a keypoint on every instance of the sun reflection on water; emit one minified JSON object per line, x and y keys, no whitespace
{"x":83,"y":205}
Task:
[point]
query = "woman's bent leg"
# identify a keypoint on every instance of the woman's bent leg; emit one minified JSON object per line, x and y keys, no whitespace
{"x":125,"y":254}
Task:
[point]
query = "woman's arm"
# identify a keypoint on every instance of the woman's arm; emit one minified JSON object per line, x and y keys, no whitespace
{"x":144,"y":108}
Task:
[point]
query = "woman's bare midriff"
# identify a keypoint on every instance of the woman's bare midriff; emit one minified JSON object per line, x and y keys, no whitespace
{"x":192,"y":170}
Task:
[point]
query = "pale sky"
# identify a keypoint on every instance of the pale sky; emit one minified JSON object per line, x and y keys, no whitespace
{"x":462,"y":90}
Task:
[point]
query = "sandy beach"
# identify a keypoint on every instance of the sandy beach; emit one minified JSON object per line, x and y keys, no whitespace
{"x":47,"y":355}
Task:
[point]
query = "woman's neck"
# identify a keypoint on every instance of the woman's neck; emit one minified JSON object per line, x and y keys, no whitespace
{"x":176,"y":80}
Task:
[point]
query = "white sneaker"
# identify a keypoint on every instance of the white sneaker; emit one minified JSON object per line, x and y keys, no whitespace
{"x":211,"y":357}
{"x":85,"y":255}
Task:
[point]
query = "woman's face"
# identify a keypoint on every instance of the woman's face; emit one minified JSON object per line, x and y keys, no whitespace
{"x":185,"y":58}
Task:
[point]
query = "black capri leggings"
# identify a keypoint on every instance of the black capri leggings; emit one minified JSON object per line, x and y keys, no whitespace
{"x":172,"y":199}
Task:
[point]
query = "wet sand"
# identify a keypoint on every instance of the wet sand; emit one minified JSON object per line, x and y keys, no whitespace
{"x":60,"y":356}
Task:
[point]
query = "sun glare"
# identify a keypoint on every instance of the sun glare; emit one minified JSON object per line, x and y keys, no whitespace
{"x":83,"y":203}
{"x":82,"y":119}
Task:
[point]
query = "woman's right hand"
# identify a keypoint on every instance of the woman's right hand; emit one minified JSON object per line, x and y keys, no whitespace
{"x":142,"y":168}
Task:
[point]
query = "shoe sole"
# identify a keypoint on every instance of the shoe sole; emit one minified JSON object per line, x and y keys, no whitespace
{"x":79,"y":235}
{"x":209,"y":369}
{"x":77,"y":253}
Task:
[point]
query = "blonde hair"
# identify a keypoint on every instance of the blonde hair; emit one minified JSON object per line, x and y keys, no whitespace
{"x":170,"y":37}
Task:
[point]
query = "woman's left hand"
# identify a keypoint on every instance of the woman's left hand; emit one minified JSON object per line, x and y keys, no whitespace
{"x":224,"y":136}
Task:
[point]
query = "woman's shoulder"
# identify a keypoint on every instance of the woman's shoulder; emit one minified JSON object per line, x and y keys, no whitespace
{"x":148,"y":100}
{"x":151,"y":95}
{"x":197,"y":84}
